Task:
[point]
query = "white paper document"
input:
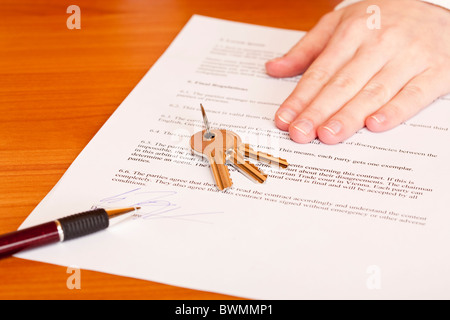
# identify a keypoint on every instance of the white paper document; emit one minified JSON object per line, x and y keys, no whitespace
{"x":364,"y":219}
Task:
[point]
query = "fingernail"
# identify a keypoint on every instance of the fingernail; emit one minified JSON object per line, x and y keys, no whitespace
{"x":286,"y":115}
{"x":379,"y":117}
{"x":304,"y":126}
{"x":333,"y":127}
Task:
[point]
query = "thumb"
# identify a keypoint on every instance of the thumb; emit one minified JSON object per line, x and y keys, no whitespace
{"x":298,"y":59}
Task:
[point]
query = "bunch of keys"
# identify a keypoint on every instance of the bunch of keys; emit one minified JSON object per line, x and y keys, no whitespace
{"x":220,"y":147}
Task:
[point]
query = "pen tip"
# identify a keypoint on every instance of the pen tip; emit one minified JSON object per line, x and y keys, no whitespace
{"x":117,"y":212}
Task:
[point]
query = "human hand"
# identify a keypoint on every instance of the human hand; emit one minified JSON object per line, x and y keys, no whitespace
{"x":356,"y":76}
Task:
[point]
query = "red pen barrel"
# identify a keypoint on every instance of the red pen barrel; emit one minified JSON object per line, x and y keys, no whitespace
{"x":70,"y":227}
{"x":16,"y":241}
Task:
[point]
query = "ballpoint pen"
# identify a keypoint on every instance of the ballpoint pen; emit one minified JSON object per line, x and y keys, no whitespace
{"x":62,"y":229}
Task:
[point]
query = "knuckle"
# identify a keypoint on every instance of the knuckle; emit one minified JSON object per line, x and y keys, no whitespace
{"x":359,"y":21}
{"x":316,"y":74}
{"x":376,"y":90}
{"x":342,"y":81}
{"x":413,"y":91}
{"x":414,"y":94}
{"x":352,"y":26}
{"x":326,"y":17}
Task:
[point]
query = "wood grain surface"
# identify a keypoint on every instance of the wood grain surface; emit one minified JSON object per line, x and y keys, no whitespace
{"x":59,"y":86}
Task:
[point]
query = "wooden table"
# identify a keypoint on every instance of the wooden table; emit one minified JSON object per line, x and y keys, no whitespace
{"x":58,"y":87}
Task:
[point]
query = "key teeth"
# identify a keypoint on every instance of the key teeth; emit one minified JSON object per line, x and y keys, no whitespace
{"x":254,"y":166}
{"x":262,"y":173}
{"x":256,"y":156}
{"x":225,"y":188}
{"x":239,"y":163}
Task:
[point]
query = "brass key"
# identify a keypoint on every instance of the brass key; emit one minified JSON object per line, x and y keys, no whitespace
{"x":222,"y":146}
{"x":236,"y":158}
{"x":246,"y":151}
{"x":247,"y":168}
{"x":213,"y":145}
{"x":263,"y":157}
